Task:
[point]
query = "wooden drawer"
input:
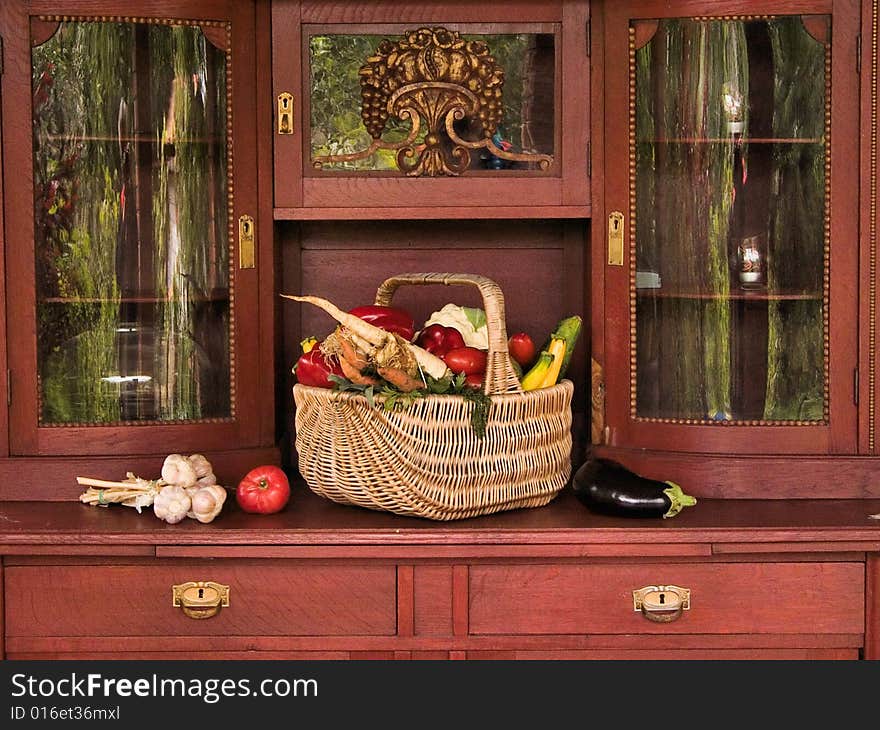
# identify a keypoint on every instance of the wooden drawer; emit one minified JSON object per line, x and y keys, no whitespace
{"x":267,"y":598}
{"x":725,"y":598}
{"x":851,"y":654}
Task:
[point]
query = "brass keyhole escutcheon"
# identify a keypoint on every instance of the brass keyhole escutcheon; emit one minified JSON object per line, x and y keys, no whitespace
{"x":615,"y":238}
{"x":285,"y":113}
{"x":246,"y":243}
{"x":200,"y":599}
{"x":662,"y":604}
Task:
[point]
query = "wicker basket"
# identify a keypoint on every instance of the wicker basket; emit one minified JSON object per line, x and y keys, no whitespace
{"x":427,"y":461}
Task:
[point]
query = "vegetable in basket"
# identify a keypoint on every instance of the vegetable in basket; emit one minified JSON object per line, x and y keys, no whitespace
{"x":439,"y":339}
{"x":467,"y":360}
{"x":390,"y":319}
{"x":553,"y":360}
{"x":469,"y":321}
{"x":521,"y":349}
{"x":314,"y":368}
{"x":382,"y":348}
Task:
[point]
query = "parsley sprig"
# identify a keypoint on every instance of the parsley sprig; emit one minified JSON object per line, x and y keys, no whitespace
{"x":396,"y":400}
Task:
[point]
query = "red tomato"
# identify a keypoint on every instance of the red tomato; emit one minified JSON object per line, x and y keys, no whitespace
{"x":467,"y":360}
{"x":263,"y":490}
{"x":438,"y":340}
{"x":475,"y":381}
{"x":522,"y":349}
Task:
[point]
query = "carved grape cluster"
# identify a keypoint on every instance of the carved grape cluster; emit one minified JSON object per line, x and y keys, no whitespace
{"x":426,"y":57}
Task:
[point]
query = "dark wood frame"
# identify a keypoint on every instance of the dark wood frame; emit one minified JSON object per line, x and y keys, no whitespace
{"x":251,"y":426}
{"x":301,"y":194}
{"x":751,"y":507}
{"x":733,"y":441}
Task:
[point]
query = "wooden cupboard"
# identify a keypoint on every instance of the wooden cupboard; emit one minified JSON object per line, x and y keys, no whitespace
{"x":152,"y":215}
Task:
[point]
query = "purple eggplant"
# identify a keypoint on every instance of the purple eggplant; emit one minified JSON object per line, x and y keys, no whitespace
{"x":606,"y":487}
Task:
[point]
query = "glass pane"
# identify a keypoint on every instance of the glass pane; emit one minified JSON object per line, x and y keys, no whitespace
{"x":361,"y":86}
{"x":730,"y":210}
{"x":131,"y":234}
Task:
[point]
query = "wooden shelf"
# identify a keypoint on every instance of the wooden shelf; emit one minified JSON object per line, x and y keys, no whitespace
{"x":733,"y":140}
{"x":140,"y":138}
{"x":734,"y":295}
{"x":473,"y":212}
{"x":218,"y":297}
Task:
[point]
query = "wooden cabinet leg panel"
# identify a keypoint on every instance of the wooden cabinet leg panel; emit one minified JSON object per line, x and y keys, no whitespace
{"x":460,"y":599}
{"x":2,"y":614}
{"x":872,"y":608}
{"x":404,"y":600}
{"x":432,"y":605}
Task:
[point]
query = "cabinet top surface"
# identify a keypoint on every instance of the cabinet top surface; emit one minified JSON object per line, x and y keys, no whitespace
{"x":313,"y":520}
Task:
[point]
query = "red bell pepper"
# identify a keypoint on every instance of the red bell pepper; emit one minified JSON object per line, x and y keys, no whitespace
{"x":438,"y":340}
{"x":390,"y":319}
{"x":314,"y":368}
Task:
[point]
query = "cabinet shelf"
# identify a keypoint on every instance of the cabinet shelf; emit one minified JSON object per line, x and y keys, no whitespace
{"x":140,"y":138}
{"x":213,"y":297}
{"x":732,"y":140}
{"x":735,"y":295}
{"x":457,"y":212}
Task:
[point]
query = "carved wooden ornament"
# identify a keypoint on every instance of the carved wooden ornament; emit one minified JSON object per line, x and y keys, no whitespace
{"x":433,"y":76}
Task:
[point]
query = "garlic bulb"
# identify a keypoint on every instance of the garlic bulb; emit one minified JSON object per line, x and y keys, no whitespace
{"x":171,"y":504}
{"x":178,"y":471}
{"x":207,"y":503}
{"x":204,"y":471}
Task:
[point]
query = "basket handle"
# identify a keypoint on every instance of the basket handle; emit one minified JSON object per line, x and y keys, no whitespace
{"x":500,"y":377}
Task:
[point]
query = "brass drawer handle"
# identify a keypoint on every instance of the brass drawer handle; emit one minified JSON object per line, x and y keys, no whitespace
{"x":200,"y":599}
{"x":662,"y":603}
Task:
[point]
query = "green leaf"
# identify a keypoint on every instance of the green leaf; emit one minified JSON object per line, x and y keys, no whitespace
{"x":477,"y":317}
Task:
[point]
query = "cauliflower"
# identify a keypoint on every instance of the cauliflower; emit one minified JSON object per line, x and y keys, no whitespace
{"x":470,"y":321}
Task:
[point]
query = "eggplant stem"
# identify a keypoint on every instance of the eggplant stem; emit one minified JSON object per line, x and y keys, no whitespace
{"x":678,"y":499}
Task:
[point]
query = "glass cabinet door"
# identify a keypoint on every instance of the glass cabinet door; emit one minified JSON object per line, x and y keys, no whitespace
{"x":468,"y":102}
{"x":734,"y":301}
{"x":130,"y":281}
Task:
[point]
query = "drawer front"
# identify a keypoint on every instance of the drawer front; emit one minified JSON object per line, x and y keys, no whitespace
{"x":670,"y":654}
{"x":728,"y":598}
{"x":265,"y":599}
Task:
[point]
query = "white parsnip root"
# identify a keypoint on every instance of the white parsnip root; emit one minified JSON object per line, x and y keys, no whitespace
{"x":376,"y":337}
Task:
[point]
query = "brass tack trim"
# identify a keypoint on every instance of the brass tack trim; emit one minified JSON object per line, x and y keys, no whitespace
{"x":633,"y":356}
{"x":872,"y":235}
{"x":826,"y":249}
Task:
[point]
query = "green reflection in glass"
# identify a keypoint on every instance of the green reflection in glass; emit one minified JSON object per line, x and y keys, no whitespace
{"x":131,"y":245}
{"x":730,"y":145}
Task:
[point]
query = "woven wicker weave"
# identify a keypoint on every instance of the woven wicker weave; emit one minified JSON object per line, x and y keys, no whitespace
{"x":427,"y":461}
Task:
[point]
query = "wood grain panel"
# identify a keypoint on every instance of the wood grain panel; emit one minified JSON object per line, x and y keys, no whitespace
{"x":272,"y":599}
{"x":2,"y":614}
{"x":872,"y":608}
{"x":752,"y":476}
{"x":192,"y":655}
{"x":53,"y":479}
{"x":347,"y":262}
{"x":421,"y":212}
{"x":748,"y":598}
{"x":498,"y":642}
{"x":433,"y":600}
{"x":670,"y":654}
{"x":385,"y":11}
{"x":396,"y":192}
